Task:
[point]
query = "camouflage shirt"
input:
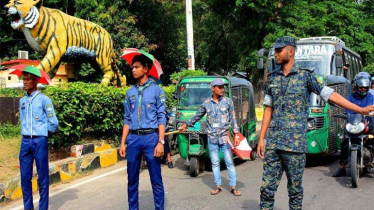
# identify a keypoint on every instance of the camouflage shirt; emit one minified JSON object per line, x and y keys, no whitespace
{"x":220,"y":116}
{"x":289,"y":97}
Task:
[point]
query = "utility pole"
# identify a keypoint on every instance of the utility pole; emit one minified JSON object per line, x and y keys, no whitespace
{"x":190,"y":48}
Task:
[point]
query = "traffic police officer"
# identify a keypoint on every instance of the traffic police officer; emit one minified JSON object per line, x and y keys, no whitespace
{"x":143,"y":132}
{"x":38,"y":121}
{"x":285,"y":118}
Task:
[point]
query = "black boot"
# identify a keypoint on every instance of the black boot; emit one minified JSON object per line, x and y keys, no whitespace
{"x":340,"y":172}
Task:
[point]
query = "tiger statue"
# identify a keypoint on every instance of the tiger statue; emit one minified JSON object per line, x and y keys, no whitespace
{"x":65,"y":38}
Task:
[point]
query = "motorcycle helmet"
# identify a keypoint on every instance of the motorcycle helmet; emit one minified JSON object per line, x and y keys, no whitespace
{"x":361,"y":80}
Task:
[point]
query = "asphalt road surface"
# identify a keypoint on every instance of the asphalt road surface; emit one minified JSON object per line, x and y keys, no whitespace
{"x":107,"y":189}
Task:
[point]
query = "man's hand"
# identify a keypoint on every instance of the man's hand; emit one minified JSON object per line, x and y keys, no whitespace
{"x":367,"y":110}
{"x":159,"y":150}
{"x":122,"y":150}
{"x":182,"y":128}
{"x":236,"y":140}
{"x":261,"y":148}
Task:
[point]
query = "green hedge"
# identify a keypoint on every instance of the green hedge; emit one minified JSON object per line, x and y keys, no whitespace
{"x":9,"y":130}
{"x":82,"y":108}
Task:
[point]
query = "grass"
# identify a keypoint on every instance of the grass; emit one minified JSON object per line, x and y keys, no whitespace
{"x":9,"y":163}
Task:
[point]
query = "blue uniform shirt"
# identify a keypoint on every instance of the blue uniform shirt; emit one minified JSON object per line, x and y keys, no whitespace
{"x":145,"y":106}
{"x":37,"y":115}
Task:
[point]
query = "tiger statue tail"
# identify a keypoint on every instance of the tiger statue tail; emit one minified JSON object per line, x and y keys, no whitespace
{"x":122,"y":79}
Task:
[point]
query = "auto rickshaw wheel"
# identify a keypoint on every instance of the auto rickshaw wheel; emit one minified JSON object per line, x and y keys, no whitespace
{"x":254,"y":154}
{"x":194,"y":167}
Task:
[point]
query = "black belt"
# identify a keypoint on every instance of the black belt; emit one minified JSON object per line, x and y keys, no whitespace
{"x":142,"y":132}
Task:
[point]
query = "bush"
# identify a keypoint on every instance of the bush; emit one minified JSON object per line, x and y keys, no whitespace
{"x":176,"y":76}
{"x":83,"y":108}
{"x":7,"y":92}
{"x":9,"y":130}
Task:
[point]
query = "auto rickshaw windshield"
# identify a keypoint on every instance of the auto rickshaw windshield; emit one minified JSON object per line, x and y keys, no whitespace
{"x":193,"y":95}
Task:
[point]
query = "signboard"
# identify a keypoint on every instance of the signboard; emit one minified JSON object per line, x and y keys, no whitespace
{"x":310,"y":51}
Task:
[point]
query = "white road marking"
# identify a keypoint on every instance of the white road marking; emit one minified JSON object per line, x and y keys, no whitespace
{"x":74,"y":186}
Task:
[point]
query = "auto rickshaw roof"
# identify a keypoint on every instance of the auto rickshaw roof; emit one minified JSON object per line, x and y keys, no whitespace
{"x":235,"y":81}
{"x":202,"y":79}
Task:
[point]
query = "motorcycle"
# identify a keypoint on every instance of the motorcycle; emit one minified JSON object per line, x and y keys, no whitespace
{"x":360,"y":146}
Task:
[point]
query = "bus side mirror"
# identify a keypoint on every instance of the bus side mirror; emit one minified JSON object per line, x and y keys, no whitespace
{"x":178,"y":94}
{"x":260,"y":61}
{"x":338,"y":61}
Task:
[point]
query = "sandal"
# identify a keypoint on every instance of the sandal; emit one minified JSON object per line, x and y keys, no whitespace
{"x":235,"y":192}
{"x":216,"y":191}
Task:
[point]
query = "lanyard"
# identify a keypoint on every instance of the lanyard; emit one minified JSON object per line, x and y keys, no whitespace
{"x":140,"y":95}
{"x":214,"y":111}
{"x":29,"y":114}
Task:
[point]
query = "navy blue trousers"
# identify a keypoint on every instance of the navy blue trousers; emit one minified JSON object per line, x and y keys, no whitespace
{"x":136,"y":147}
{"x":34,"y":148}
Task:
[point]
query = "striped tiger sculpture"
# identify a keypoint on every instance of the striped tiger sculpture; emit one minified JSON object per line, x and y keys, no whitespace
{"x":65,"y":38}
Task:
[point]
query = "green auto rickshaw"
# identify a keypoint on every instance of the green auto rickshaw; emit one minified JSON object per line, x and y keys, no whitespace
{"x":191,"y":93}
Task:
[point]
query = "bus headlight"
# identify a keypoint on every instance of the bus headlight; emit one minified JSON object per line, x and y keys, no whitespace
{"x":311,"y":124}
{"x":355,"y":129}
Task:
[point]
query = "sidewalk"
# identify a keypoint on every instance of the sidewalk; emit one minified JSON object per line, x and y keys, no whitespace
{"x":85,"y":158}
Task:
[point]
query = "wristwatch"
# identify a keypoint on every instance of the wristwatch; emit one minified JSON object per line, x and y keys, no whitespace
{"x":161,"y":141}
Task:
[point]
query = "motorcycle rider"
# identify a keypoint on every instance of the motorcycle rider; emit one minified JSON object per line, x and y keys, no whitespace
{"x":361,"y":97}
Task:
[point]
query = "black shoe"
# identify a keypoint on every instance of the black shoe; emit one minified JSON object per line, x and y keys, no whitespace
{"x":170,"y":164}
{"x":340,"y":172}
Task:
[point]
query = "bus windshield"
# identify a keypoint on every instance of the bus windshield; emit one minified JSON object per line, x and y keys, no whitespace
{"x":317,"y":57}
{"x":314,"y":56}
{"x":193,"y":95}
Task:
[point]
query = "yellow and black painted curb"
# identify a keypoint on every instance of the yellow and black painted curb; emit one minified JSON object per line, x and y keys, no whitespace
{"x":64,"y":170}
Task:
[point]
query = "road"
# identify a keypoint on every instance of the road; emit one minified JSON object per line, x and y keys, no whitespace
{"x":106,"y":189}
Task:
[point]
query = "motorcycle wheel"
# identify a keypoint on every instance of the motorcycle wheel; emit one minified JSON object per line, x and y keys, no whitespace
{"x":355,"y":170}
{"x":194,"y":167}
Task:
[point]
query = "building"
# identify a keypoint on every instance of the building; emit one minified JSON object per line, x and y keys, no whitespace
{"x":7,"y":79}
{"x":64,"y":72}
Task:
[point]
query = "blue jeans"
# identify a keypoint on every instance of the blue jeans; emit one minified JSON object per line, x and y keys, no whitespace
{"x":215,"y":159}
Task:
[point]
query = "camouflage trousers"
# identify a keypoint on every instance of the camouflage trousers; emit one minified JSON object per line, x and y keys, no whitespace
{"x":275,"y":162}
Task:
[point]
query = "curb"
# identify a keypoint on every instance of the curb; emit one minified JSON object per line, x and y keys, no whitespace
{"x":85,"y":158}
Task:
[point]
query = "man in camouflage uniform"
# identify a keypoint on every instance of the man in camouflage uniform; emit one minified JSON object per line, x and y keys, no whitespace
{"x":285,"y":116}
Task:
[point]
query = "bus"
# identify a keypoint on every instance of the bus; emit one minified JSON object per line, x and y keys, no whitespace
{"x":336,"y":65}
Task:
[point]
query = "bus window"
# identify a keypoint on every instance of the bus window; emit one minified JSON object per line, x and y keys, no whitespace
{"x":333,"y":67}
{"x":355,"y":64}
{"x":349,"y":61}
